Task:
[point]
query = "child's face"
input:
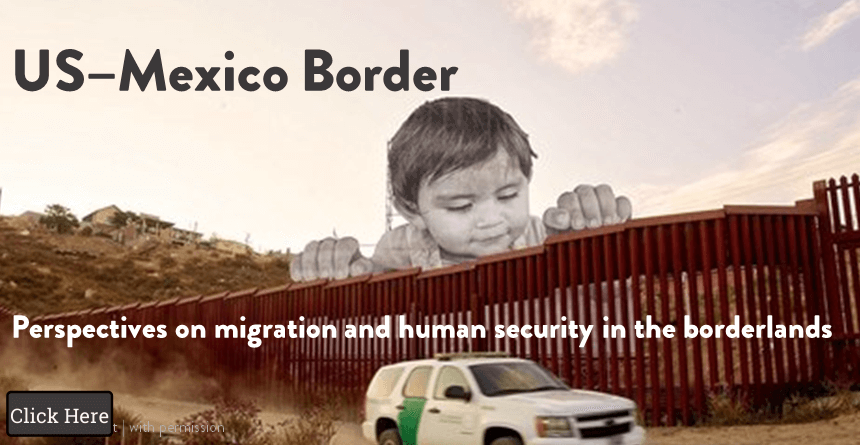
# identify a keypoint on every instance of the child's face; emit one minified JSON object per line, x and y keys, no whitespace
{"x":476,"y":211}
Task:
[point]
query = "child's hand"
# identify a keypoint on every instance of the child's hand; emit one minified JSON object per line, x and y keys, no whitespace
{"x":330,"y":258}
{"x":587,"y":207}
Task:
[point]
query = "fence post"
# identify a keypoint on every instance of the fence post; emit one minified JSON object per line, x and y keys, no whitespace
{"x":477,"y":320}
{"x":831,"y":284}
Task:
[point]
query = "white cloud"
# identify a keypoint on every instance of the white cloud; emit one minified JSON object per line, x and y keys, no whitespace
{"x":577,"y":34}
{"x":826,"y":26}
{"x":817,"y":141}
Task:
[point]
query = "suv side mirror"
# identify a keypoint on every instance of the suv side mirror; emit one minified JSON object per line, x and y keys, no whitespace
{"x":457,"y":392}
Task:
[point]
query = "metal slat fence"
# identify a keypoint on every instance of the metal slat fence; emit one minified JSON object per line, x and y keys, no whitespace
{"x":761,"y":264}
{"x":838,"y":205}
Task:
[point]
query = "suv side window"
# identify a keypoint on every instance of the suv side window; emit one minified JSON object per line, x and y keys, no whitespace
{"x":384,"y":383}
{"x":449,"y":376}
{"x":418,"y":381}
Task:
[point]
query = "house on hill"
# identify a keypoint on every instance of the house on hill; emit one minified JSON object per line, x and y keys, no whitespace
{"x":139,"y":227}
{"x":154,"y":225}
{"x":183,"y":236}
{"x":102,"y":216}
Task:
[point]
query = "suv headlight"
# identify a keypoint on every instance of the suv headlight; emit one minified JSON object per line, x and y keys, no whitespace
{"x":553,"y":427}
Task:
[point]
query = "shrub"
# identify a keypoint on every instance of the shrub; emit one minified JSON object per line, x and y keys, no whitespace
{"x":59,"y":218}
{"x":229,"y":422}
{"x":121,"y":416}
{"x":724,"y":410}
{"x":314,"y":425}
{"x":837,"y":401}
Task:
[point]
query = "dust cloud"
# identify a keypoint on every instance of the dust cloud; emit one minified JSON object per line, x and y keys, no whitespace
{"x":161,"y":390}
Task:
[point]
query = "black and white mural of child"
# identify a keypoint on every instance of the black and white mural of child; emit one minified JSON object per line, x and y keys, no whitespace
{"x":460,"y":170}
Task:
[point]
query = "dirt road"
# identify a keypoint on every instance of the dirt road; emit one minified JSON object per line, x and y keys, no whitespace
{"x":843,"y":430}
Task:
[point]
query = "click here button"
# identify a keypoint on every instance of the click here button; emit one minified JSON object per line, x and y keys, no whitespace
{"x":59,"y":413}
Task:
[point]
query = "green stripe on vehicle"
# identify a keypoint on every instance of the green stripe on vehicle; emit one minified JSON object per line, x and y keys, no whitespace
{"x":409,"y":419}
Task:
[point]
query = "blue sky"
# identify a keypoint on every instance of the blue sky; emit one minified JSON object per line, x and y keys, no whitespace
{"x":679,"y":105}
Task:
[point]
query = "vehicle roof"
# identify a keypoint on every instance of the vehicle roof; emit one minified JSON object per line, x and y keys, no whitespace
{"x":463,"y":361}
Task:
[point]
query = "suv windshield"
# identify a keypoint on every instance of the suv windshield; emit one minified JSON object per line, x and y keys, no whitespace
{"x":497,"y":379}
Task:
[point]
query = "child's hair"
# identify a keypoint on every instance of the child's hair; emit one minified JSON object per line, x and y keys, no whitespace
{"x":447,"y":135}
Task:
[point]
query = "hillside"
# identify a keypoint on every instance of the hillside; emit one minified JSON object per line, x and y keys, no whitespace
{"x":44,"y":272}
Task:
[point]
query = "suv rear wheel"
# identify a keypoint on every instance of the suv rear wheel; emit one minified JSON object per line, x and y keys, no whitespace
{"x":392,"y":437}
{"x":507,"y":441}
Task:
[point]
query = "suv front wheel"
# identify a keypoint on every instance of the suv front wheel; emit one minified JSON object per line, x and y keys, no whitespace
{"x":392,"y":437}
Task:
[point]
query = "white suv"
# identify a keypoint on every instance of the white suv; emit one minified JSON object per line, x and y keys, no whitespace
{"x":482,"y":399}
